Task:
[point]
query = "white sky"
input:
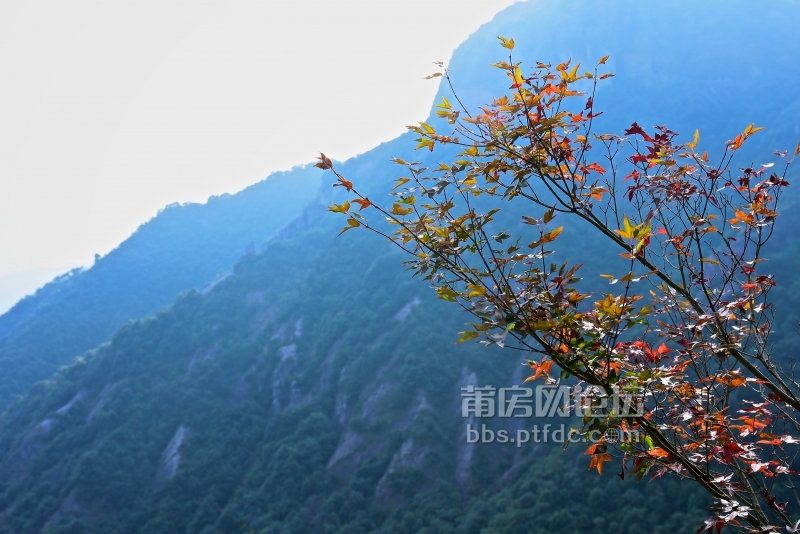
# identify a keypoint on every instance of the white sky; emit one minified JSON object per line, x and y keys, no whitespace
{"x":111,"y":110}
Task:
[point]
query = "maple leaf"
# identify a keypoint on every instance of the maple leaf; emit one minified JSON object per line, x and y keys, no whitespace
{"x":324,"y":162}
{"x":635,"y":129}
{"x":540,"y":368}
{"x":364,"y":203}
{"x":658,"y":452}
{"x":729,"y":450}
{"x":506,"y":43}
{"x":598,"y":460}
{"x":344,"y":183}
{"x":595,"y":167}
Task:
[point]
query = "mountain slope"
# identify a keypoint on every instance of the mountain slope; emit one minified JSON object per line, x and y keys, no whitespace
{"x":685,"y":65}
{"x":317,"y":388}
{"x":183,"y":247}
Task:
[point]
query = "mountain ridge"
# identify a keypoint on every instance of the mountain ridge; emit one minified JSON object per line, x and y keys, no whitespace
{"x":317,"y":388}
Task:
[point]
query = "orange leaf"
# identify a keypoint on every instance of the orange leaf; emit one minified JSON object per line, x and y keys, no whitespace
{"x":593,"y":447}
{"x":595,"y":167}
{"x":543,"y":367}
{"x":365,"y":203}
{"x":598,"y":460}
{"x":658,"y":452}
{"x":344,"y":183}
{"x":736,"y":143}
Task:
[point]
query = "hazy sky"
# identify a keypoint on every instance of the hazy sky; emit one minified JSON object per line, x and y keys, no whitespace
{"x":111,"y":110}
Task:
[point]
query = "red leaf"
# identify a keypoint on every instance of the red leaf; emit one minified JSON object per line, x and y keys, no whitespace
{"x":729,"y":450}
{"x":636,"y":129}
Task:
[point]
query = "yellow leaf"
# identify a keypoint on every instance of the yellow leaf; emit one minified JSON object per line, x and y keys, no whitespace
{"x":340,"y":208}
{"x":573,"y":74}
{"x":548,"y":237}
{"x":518,"y":78}
{"x":603,"y":60}
{"x":555,"y":233}
{"x":445,"y":293}
{"x":642,"y":230}
{"x":694,"y":141}
{"x":467,"y":335}
{"x":751,"y":129}
{"x":628,"y":229}
{"x":506,"y":43}
{"x":397,"y":209}
{"x":401,"y":181}
{"x":475,"y":290}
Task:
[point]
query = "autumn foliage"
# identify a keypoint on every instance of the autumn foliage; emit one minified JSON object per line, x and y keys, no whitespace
{"x":684,"y":325}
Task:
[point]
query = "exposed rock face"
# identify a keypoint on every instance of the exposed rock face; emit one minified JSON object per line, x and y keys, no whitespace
{"x":171,"y":457}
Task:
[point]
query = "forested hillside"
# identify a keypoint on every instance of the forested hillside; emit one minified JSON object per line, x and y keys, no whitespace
{"x":184,"y":247}
{"x":317,"y":388}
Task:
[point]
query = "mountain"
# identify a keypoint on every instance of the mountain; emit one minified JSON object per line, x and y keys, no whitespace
{"x":183,"y":247}
{"x":318,"y":389}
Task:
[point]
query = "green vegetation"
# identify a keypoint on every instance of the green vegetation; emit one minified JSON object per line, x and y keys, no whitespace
{"x":184,"y":247}
{"x":687,"y":330}
{"x":270,"y":384}
{"x":317,"y":389}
